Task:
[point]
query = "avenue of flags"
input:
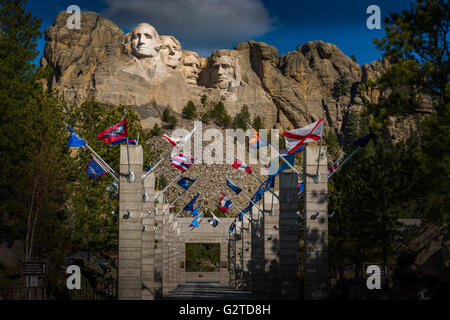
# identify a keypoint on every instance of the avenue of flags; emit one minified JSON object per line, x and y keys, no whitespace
{"x":295,"y":139}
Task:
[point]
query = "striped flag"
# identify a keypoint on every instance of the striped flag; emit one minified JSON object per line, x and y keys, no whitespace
{"x":333,"y":167}
{"x":238,"y":164}
{"x":224,"y":203}
{"x":295,"y":138}
{"x":181,"y":162}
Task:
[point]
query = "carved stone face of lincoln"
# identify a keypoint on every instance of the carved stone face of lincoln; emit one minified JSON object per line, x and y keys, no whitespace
{"x":224,"y":73}
{"x":145,"y":41}
{"x":170,"y":51}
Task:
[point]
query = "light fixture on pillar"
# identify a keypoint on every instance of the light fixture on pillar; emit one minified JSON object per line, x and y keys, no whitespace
{"x":130,"y":176}
{"x":270,"y":237}
{"x":145,"y":197}
{"x":128,"y":215}
{"x":314,"y":216}
{"x":144,"y":227}
{"x":275,"y":227}
{"x":113,"y":189}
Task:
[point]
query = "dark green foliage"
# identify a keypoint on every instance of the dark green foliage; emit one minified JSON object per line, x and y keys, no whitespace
{"x":341,"y":87}
{"x":257,"y":123}
{"x":202,"y":257}
{"x":219,"y":115}
{"x":156,"y":130}
{"x":332,"y":145}
{"x":353,"y":57}
{"x":417,"y":39}
{"x":161,"y":182}
{"x":169,"y":119}
{"x":203,"y":99}
{"x":242,"y":119}
{"x":190,"y":111}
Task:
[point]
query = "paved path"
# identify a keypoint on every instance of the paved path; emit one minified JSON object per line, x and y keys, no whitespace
{"x":208,"y":291}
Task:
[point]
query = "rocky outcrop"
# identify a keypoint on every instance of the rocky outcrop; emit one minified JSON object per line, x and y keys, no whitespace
{"x":424,"y":258}
{"x":100,"y":61}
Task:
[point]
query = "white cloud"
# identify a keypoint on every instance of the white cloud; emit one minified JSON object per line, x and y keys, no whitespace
{"x":200,"y":25}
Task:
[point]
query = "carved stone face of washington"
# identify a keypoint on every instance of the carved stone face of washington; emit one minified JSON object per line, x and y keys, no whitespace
{"x":170,"y":51}
{"x":145,"y":41}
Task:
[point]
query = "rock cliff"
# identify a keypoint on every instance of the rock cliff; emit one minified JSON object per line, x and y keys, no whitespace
{"x":146,"y":71}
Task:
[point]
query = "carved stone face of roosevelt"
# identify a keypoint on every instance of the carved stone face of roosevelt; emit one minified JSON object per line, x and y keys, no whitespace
{"x":190,"y":66}
{"x":223,"y":71}
{"x":145,"y":41}
{"x":170,"y":51}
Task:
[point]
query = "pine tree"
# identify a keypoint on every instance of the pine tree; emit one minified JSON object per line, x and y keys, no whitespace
{"x":190,"y":111}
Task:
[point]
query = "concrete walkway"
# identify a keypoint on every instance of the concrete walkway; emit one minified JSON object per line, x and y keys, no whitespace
{"x":208,"y":291}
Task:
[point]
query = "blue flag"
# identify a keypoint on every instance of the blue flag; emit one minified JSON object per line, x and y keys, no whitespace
{"x":278,"y":165}
{"x":195,"y":212}
{"x":233,"y":187}
{"x":362,"y":142}
{"x":75,"y":140}
{"x":233,"y":225}
{"x":269,"y":183}
{"x":258,"y":194}
{"x":185,"y":182}
{"x":196,"y":221}
{"x":246,"y":209}
{"x":190,"y":205}
{"x":94,"y":169}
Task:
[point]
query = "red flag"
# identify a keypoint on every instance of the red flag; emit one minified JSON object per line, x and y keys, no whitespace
{"x":295,"y":138}
{"x":238,"y":164}
{"x":115,"y":132}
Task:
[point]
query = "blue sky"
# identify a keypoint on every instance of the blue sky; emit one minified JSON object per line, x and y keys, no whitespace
{"x":206,"y":25}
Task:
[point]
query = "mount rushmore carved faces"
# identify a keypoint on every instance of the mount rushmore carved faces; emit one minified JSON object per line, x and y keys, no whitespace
{"x":190,"y":66}
{"x":170,"y":51}
{"x":145,"y":41}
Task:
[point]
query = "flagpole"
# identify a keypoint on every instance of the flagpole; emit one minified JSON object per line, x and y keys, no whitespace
{"x":164,"y":190}
{"x":108,"y":168}
{"x":287,"y":162}
{"x":262,"y":182}
{"x":130,"y":173}
{"x":242,"y":191}
{"x":175,"y":217}
{"x":345,"y":160}
{"x":180,"y":196}
{"x":316,"y":178}
{"x":145,"y":196}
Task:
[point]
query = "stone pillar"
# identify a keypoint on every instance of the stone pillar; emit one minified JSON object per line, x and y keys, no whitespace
{"x":224,"y":276}
{"x":289,"y":236}
{"x":316,"y":224}
{"x":246,"y":255}
{"x":171,"y":258}
{"x":148,"y":242}
{"x":232,"y":260}
{"x":257,"y":250}
{"x":239,"y":255}
{"x":182,"y":260}
{"x":165,"y":246}
{"x":130,"y":225}
{"x":158,"y":252}
{"x":271,"y":244}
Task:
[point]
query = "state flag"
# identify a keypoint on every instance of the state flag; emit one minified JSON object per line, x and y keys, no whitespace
{"x":295,"y":138}
{"x":94,"y":169}
{"x":115,"y":132}
{"x":238,"y":164}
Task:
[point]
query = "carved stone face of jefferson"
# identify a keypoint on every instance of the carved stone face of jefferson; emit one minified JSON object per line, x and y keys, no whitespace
{"x":190,"y":66}
{"x":170,"y":51}
{"x":145,"y":41}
